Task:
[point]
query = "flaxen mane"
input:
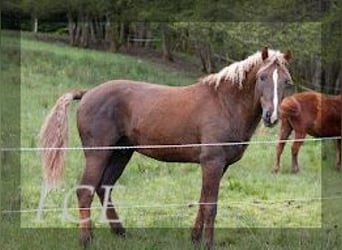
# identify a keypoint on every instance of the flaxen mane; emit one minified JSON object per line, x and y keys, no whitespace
{"x":235,"y":73}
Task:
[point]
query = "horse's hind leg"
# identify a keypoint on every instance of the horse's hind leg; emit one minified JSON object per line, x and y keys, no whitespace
{"x":338,"y":154}
{"x":284,"y":133}
{"x":112,"y":173}
{"x":96,"y":160}
{"x":299,"y":135}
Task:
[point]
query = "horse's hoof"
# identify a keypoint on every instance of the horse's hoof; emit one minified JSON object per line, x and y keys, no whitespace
{"x":197,"y":243}
{"x":275,"y":170}
{"x":209,"y":246}
{"x":85,"y":241}
{"x":196,"y":236}
{"x":295,"y":171}
{"x":120,"y":231}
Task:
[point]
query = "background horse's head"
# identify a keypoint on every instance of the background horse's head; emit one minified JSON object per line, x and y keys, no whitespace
{"x":270,"y":84}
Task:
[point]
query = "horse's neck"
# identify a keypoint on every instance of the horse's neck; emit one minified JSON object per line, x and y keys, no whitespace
{"x":253,"y":99}
{"x":242,"y":103}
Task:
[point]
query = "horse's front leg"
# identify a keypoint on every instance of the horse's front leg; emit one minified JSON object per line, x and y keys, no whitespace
{"x":211,"y":176}
{"x":197,"y":230}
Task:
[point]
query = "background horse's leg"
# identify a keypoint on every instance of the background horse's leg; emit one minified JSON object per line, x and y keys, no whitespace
{"x":284,"y":133}
{"x":211,"y":176}
{"x":295,"y":149}
{"x":338,"y":154}
{"x":95,"y":164}
{"x":112,"y":173}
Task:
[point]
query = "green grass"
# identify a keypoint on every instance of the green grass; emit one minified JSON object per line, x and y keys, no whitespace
{"x":256,"y":208}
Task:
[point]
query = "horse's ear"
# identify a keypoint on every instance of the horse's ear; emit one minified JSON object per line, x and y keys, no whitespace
{"x":288,"y":55}
{"x":264,"y":53}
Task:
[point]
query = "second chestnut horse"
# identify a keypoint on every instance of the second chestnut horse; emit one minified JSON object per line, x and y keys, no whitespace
{"x":312,"y":113}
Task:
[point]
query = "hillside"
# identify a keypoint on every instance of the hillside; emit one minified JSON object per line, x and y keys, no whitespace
{"x":156,"y":200}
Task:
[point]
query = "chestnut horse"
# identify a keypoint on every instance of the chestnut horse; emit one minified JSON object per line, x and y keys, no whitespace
{"x":222,"y":107}
{"x":312,"y":113}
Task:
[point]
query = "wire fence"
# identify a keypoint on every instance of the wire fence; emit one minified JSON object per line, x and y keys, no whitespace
{"x":168,"y":146}
{"x":253,"y":202}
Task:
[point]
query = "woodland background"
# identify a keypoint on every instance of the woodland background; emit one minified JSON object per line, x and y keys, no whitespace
{"x":197,"y":37}
{"x":204,"y":34}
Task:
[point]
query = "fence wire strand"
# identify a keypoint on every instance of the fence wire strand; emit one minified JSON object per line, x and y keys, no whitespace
{"x":167,"y":146}
{"x":253,"y":202}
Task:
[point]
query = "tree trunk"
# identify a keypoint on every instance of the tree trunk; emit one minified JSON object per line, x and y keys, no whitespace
{"x":149,"y":43}
{"x":203,"y":62}
{"x":124,"y":33}
{"x":167,"y":54}
{"x":338,"y":82}
{"x":71,"y":29}
{"x":99,"y":28}
{"x":206,"y":57}
{"x":93,"y":38}
{"x":143,"y":31}
{"x":335,"y":83}
{"x":108,"y":33}
{"x":316,"y":74}
{"x":35,"y":24}
{"x":84,"y":42}
{"x":330,"y":78}
{"x":78,"y":31}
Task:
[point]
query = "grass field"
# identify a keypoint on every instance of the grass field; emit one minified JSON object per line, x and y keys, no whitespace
{"x":257,"y":210}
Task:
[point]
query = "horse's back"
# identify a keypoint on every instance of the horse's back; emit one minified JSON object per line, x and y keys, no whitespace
{"x":120,"y":93}
{"x":311,"y":102}
{"x":142,"y":112}
{"x":294,"y":105}
{"x":319,"y":114}
{"x":101,"y":111}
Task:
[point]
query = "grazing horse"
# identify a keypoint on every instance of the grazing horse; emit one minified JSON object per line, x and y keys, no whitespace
{"x":222,"y":107}
{"x":312,"y":113}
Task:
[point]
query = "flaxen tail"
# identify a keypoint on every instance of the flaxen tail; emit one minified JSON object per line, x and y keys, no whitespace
{"x":53,"y":137}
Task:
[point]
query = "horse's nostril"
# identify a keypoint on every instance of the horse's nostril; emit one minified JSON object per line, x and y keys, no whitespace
{"x":268,"y":114}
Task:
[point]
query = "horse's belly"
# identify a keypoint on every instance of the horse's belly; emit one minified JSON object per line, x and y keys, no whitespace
{"x":322,"y":130}
{"x":172,"y":154}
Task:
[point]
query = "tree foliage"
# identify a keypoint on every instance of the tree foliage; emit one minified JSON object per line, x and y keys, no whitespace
{"x":215,"y":32}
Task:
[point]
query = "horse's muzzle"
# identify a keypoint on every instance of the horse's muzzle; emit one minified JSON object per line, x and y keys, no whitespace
{"x":267,"y":119}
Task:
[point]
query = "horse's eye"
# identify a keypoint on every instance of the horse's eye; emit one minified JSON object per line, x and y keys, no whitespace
{"x":288,"y":82}
{"x":263,"y":77}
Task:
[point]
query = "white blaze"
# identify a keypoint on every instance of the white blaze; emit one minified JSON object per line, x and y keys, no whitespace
{"x":274,"y":116}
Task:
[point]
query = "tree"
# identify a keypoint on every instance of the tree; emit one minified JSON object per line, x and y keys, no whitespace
{"x":314,"y":28}
{"x":38,"y":9}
